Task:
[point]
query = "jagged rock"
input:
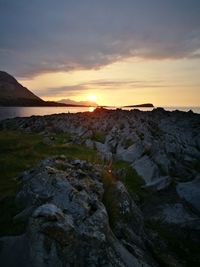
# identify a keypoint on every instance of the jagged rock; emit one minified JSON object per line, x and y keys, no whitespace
{"x":190,"y":191}
{"x":147,"y":169}
{"x":89,"y":143}
{"x":49,"y":211}
{"x":132,"y":153}
{"x":159,"y":184}
{"x":177,"y":214}
{"x":68,"y":224}
{"x":170,"y":139}
{"x":101,"y":147}
{"x":106,"y":155}
{"x":164,"y":149}
{"x":129,"y":226}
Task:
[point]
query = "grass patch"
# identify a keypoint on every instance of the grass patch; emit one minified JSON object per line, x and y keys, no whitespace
{"x":20,"y":151}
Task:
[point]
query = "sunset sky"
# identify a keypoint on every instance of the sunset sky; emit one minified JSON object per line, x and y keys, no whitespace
{"x":121,"y":51}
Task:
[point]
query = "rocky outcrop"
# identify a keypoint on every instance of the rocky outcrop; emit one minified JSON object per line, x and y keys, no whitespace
{"x":161,"y":147}
{"x":67,"y":223}
{"x":157,"y":144}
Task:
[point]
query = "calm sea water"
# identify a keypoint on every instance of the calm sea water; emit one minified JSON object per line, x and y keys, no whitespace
{"x":12,"y":112}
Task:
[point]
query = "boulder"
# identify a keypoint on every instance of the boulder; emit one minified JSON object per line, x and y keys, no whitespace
{"x":147,"y":169}
{"x":130,"y":154}
{"x":159,"y":184}
{"x":177,"y":214}
{"x":190,"y":191}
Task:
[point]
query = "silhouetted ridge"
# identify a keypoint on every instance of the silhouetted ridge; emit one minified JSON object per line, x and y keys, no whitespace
{"x":13,"y":93}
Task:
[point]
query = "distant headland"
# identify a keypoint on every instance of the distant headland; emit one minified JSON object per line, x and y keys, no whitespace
{"x":147,"y":105}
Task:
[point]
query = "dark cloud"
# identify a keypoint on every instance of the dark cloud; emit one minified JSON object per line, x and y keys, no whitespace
{"x":100,"y":84}
{"x":113,"y":83}
{"x":39,"y":36}
{"x":62,"y":91}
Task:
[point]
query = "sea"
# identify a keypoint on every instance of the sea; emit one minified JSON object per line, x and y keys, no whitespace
{"x":12,"y":112}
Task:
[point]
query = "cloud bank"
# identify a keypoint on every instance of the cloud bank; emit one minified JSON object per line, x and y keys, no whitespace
{"x":100,"y":85}
{"x":41,"y":36}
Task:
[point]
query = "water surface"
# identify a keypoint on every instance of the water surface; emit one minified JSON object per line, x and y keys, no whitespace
{"x":12,"y":112}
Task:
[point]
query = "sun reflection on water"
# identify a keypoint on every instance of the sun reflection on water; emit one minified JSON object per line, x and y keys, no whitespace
{"x":91,"y":109}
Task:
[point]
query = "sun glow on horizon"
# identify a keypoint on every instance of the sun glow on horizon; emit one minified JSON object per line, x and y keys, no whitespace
{"x":91,"y":97}
{"x":127,"y":82}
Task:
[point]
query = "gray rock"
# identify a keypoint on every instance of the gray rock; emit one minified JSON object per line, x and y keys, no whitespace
{"x":166,"y":151}
{"x":177,"y":214}
{"x":101,"y":147}
{"x":131,"y":153}
{"x":147,"y":169}
{"x":49,"y":211}
{"x":47,"y":140}
{"x":159,"y":184}
{"x":68,"y":224}
{"x":89,"y":143}
{"x":106,"y":155}
{"x":190,"y":191}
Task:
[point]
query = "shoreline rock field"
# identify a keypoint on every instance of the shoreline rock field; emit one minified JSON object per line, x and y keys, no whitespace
{"x":62,"y":201}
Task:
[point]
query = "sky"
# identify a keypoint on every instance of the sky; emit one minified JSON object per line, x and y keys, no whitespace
{"x":121,"y":51}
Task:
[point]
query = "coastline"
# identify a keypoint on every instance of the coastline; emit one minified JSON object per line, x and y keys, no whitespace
{"x":11,"y":112}
{"x":102,"y":172}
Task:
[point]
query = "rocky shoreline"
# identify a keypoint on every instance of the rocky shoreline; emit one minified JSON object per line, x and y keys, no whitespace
{"x":67,"y":222}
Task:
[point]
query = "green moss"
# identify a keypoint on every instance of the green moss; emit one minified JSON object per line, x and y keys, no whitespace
{"x":127,"y":143}
{"x":121,"y":170}
{"x":133,"y":182}
{"x":108,"y":197}
{"x":99,"y":137}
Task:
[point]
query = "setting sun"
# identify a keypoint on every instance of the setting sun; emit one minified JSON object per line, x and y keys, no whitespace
{"x":92,"y":97}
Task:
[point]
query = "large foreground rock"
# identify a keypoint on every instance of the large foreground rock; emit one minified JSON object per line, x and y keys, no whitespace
{"x":67,"y":223}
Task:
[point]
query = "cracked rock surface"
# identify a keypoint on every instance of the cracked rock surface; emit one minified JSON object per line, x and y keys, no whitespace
{"x":67,"y":223}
